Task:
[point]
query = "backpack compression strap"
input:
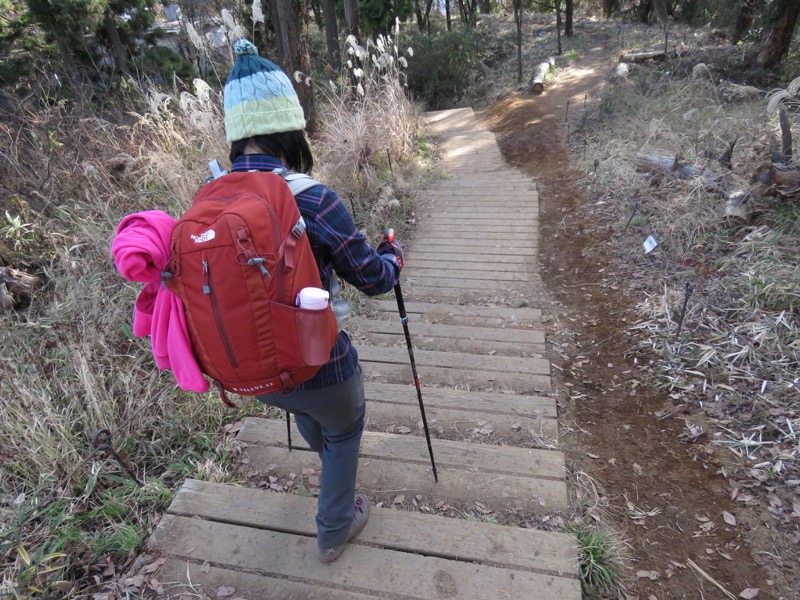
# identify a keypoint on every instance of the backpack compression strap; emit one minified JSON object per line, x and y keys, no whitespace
{"x":297,"y":182}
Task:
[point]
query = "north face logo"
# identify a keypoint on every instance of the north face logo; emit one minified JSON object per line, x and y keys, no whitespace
{"x":206,"y":236}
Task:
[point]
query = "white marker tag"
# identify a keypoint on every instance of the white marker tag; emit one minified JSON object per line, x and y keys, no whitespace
{"x":649,"y":244}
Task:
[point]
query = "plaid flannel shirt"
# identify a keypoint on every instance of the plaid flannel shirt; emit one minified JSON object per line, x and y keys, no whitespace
{"x":338,"y":246}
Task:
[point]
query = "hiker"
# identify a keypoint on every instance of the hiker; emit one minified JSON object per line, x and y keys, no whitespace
{"x":265,"y":124}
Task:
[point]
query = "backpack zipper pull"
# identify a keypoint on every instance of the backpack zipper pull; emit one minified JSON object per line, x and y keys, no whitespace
{"x":259,"y":262}
{"x":206,"y":282}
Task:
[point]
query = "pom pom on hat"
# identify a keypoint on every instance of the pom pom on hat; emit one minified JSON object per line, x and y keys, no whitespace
{"x":259,"y":98}
{"x":244,"y":46}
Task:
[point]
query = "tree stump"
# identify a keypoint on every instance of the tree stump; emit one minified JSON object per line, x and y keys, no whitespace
{"x":15,"y":287}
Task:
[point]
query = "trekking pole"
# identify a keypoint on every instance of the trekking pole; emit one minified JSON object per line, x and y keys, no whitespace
{"x":388,"y":236}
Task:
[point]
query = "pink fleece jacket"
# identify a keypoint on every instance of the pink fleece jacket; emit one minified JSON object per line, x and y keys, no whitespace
{"x":141,"y":252}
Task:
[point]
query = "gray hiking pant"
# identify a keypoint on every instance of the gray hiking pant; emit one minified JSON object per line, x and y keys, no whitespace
{"x":331,"y":421}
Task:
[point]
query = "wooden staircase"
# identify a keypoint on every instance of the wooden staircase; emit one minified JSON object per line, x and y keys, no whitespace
{"x":486,"y":384}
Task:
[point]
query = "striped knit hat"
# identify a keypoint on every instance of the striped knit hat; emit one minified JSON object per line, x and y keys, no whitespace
{"x":259,"y":98}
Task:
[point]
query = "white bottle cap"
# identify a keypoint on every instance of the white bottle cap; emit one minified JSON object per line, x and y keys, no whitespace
{"x":313,"y":298}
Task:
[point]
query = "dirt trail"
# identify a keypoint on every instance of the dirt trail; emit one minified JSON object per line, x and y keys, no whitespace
{"x":639,"y":460}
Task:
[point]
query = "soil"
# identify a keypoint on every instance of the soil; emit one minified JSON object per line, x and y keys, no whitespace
{"x":614,"y":433}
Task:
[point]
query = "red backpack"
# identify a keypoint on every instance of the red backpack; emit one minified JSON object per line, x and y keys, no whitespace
{"x":240,"y":256}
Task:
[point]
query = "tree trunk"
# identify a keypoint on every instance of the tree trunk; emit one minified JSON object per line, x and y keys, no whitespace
{"x":536,"y":84}
{"x":557,"y":4}
{"x":518,"y":23}
{"x":777,"y":44}
{"x":73,"y":73}
{"x":418,"y":14}
{"x":117,"y":48}
{"x":317,"y":14}
{"x":352,"y":18}
{"x":645,"y":6}
{"x":485,"y":6}
{"x":293,"y":39}
{"x":744,"y":20}
{"x":280,"y":53}
{"x":332,"y":35}
{"x":569,"y":11}
{"x":447,"y":12}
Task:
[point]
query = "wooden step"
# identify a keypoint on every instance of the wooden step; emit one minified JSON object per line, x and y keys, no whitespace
{"x":477,"y":213}
{"x":445,"y":289}
{"x":452,"y":287}
{"x":456,"y":314}
{"x":264,"y":547}
{"x":454,"y":338}
{"x":522,"y":375}
{"x":424,"y":242}
{"x":480,"y":232}
{"x":530,"y":478}
{"x":474,"y":261}
{"x":497,"y":252}
{"x":496,"y":417}
{"x":461,"y":275}
{"x":522,"y":238}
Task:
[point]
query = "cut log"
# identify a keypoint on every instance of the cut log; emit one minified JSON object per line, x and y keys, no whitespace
{"x":620,"y":72}
{"x":655,"y":162}
{"x":536,"y":84}
{"x":641,"y":57}
{"x":668,"y":164}
{"x":15,"y":287}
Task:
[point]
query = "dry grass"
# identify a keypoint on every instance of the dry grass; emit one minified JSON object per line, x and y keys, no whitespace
{"x":737,"y":355}
{"x":367,"y":139}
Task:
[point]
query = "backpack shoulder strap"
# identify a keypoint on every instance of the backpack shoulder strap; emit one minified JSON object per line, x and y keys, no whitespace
{"x":297,"y":182}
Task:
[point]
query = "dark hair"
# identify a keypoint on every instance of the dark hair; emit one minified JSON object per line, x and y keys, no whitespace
{"x":291,"y":147}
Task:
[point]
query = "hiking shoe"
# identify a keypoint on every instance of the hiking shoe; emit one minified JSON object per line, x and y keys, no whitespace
{"x":360,"y":517}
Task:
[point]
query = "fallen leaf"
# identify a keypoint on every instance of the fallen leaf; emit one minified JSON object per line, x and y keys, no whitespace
{"x":156,"y":586}
{"x":63,"y":586}
{"x":516,"y":426}
{"x":313,"y":480}
{"x":749,"y":593}
{"x":590,"y":455}
{"x":399,"y":499}
{"x":651,"y":575}
{"x":154,"y":566}
{"x":233,"y":427}
{"x":638,"y":468}
{"x":225,"y":591}
{"x":729,"y":518}
{"x":403,"y":429}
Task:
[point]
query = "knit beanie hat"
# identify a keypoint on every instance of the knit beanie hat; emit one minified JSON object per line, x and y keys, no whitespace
{"x":259,"y":98}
